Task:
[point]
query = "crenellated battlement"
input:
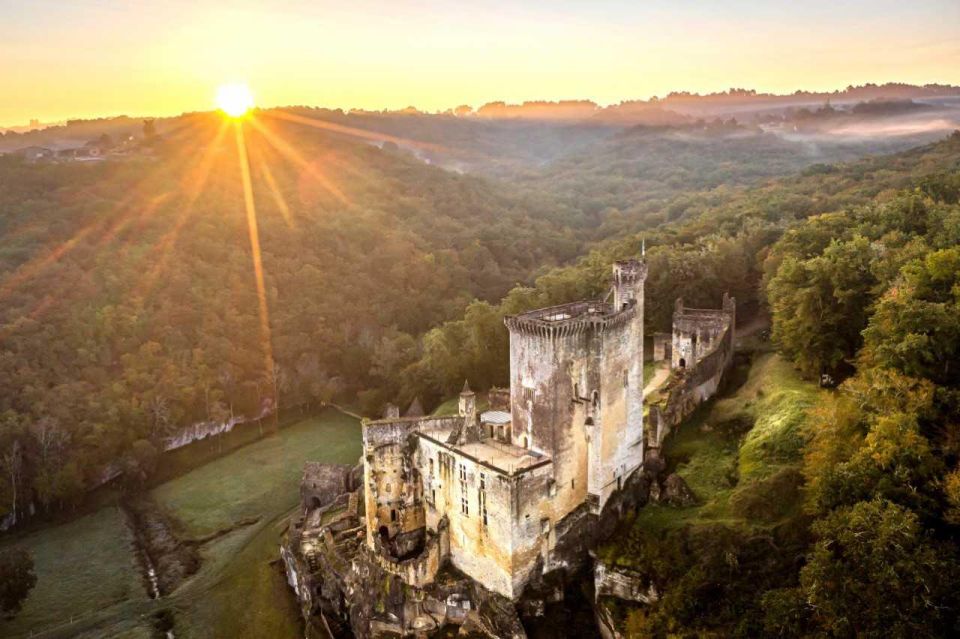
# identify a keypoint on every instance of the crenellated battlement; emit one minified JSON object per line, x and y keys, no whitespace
{"x":569,"y":319}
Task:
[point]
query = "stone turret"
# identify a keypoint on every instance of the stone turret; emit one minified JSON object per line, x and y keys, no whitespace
{"x":468,"y":403}
{"x":628,"y":278}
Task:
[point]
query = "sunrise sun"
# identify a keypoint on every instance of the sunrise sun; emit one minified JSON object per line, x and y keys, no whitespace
{"x":234,"y":99}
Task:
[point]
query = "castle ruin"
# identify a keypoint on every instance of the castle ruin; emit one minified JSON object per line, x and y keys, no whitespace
{"x":464,"y":514}
{"x":493,"y":490}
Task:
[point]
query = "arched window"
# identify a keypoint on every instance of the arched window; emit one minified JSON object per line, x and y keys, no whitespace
{"x":596,"y":398}
{"x":393,"y":514}
{"x":525,"y":443}
{"x":683,"y":363}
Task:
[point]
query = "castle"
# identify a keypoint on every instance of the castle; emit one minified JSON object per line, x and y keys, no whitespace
{"x":469,"y":519}
{"x":494,"y":492}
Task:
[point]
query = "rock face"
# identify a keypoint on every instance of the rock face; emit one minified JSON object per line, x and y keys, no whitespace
{"x":676,"y":492}
{"x":623,"y":584}
{"x":347,"y":589}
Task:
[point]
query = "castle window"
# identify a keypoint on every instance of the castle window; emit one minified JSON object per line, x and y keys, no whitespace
{"x":393,"y":514}
{"x":573,"y":484}
{"x":482,"y":500}
{"x":576,"y":391}
{"x":464,"y":505}
{"x":525,"y":443}
{"x":626,"y":378}
{"x":483,"y":481}
{"x":388,"y":489}
{"x":431,"y":465}
{"x":463,"y":473}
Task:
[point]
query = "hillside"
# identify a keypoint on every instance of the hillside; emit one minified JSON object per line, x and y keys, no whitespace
{"x":129,"y":289}
{"x":718,"y":243}
{"x":830,"y":512}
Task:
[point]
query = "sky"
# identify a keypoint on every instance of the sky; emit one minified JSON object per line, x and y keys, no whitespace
{"x":89,"y":58}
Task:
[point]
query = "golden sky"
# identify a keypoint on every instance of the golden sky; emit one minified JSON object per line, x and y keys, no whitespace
{"x":88,"y":58}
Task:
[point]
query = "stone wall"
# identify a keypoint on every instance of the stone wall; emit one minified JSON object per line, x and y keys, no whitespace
{"x":419,"y":571}
{"x":707,"y":337}
{"x":394,"y":488}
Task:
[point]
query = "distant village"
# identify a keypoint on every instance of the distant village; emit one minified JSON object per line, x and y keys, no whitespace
{"x":96,"y":150}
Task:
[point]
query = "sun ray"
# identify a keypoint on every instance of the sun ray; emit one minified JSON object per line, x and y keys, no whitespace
{"x":287,"y":150}
{"x":254,"y":235}
{"x":278,"y":199}
{"x":352,"y":131}
{"x":38,"y":264}
{"x":193,"y":185}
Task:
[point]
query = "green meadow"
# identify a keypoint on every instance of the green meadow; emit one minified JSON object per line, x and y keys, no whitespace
{"x":88,"y":579}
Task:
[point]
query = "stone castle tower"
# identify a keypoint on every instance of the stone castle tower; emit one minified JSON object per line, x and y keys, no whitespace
{"x":576,"y":388}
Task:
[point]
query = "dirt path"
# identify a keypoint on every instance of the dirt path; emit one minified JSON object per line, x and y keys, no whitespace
{"x":659,"y":377}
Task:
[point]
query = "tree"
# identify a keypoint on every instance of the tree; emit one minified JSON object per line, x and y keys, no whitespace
{"x":820,"y":305}
{"x":873,"y":572}
{"x":16,"y":579}
{"x":13,"y":465}
{"x":141,"y":462}
{"x":915,"y":329}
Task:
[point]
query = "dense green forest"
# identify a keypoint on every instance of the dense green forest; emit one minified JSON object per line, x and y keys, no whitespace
{"x":129,"y":297}
{"x":837,"y":513}
{"x":724,"y":247}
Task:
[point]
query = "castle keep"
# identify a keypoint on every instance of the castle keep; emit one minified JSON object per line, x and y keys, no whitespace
{"x":494,"y":492}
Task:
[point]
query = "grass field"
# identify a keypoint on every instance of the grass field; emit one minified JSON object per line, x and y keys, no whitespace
{"x":87,"y":570}
{"x":82,"y":567}
{"x":261,"y":479}
{"x":242,"y":594}
{"x":737,"y":442}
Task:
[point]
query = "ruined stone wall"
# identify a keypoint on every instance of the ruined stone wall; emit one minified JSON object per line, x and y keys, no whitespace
{"x":691,"y":385}
{"x":421,"y":570}
{"x":393,"y":486}
{"x":662,"y":347}
{"x":698,"y":332}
